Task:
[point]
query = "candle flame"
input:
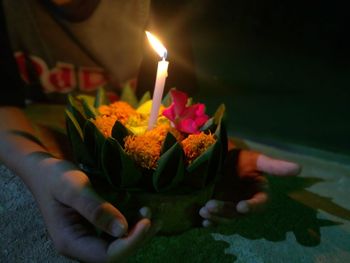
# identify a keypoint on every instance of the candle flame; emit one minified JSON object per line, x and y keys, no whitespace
{"x":157,"y":45}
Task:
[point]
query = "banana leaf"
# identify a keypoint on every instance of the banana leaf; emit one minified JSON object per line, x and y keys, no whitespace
{"x":75,"y":136}
{"x":76,"y":108}
{"x":169,"y":141}
{"x":129,"y":96}
{"x":145,"y":97}
{"x":89,"y":109}
{"x":167,"y":99}
{"x":117,"y":166}
{"x":219,"y":114}
{"x":119,"y":132}
{"x":94,"y":141}
{"x":209,"y":125}
{"x":221,"y":134}
{"x":203,"y":169}
{"x":170,"y":170}
{"x":101,"y":98}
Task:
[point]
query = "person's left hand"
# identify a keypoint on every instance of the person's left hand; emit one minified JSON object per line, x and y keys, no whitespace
{"x":243,"y":188}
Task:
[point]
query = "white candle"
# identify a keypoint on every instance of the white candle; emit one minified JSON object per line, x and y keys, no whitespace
{"x":162,"y":73}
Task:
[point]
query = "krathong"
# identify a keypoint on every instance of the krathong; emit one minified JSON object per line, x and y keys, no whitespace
{"x":171,"y":168}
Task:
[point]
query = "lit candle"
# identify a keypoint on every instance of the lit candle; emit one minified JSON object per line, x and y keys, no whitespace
{"x":162,"y":73}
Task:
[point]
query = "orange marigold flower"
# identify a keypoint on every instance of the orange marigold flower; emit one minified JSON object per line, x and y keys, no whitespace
{"x":118,"y":110}
{"x":196,"y":144}
{"x":145,"y":149}
{"x":105,"y":124}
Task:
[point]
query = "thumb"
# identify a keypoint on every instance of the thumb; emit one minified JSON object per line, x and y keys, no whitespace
{"x":98,"y":211}
{"x":277,"y":167}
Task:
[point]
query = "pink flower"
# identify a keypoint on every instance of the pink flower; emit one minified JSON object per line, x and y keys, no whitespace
{"x":187,"y":119}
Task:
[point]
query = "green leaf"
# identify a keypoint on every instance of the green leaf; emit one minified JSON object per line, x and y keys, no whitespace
{"x":219,"y":114}
{"x":129,"y":96}
{"x":167,"y":99}
{"x":169,"y":141}
{"x":88,"y":98}
{"x":89,"y":110}
{"x":189,"y":101}
{"x":74,"y":123}
{"x":145,"y":97}
{"x":75,"y":136}
{"x":119,"y":132}
{"x":93,"y":140}
{"x":205,"y":167}
{"x":170,"y":170}
{"x":214,"y":167}
{"x":208,"y":125}
{"x":76,"y":108}
{"x":101,"y":98}
{"x":221,"y":134}
{"x":118,"y":167}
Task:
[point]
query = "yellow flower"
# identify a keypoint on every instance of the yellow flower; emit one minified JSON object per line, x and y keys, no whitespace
{"x":138,"y":123}
{"x":135,"y":120}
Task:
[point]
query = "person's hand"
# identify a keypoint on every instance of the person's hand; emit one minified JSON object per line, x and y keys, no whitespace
{"x":244,"y":188}
{"x":71,"y":209}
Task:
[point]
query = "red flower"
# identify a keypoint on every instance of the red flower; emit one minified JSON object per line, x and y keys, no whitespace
{"x":187,"y":119}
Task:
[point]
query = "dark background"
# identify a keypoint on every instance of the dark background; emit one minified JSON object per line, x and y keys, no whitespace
{"x":281,"y":67}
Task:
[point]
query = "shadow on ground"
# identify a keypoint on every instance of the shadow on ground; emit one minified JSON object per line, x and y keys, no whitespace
{"x":283,"y":215}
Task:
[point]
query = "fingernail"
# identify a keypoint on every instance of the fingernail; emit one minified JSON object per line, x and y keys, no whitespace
{"x":118,"y":229}
{"x":214,"y":206}
{"x":242,"y":207}
{"x":145,"y":212}
{"x":206,"y":223}
{"x":203,"y":212}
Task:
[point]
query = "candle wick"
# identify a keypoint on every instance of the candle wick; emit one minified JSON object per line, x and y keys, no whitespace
{"x":165,"y":55}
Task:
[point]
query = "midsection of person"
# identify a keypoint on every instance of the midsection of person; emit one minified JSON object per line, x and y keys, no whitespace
{"x":60,"y":47}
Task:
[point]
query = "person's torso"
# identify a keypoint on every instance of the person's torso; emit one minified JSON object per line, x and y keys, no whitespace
{"x":61,"y":57}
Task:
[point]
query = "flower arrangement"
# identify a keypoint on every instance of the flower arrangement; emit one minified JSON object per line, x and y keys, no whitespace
{"x":171,"y":168}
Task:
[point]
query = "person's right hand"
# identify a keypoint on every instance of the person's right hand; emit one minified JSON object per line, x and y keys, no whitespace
{"x":71,"y":209}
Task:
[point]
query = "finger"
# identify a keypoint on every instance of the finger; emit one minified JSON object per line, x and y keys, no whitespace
{"x":73,"y":238}
{"x":207,"y":223}
{"x":84,"y":249}
{"x":122,"y":248}
{"x":277,"y":167}
{"x":255,"y":204}
{"x":204,"y":213}
{"x":97,"y":211}
{"x":261,"y":184}
{"x":145,"y":212}
{"x":221,"y":208}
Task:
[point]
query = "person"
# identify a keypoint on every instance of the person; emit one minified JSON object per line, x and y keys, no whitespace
{"x":54,"y":47}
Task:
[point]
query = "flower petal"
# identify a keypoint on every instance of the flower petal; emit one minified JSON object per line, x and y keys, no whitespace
{"x":170,"y":112}
{"x":199,"y":108}
{"x":200,"y":121}
{"x":179,"y":100}
{"x":187,"y":126}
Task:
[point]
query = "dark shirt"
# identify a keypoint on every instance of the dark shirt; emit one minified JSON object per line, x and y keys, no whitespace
{"x":12,"y":86}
